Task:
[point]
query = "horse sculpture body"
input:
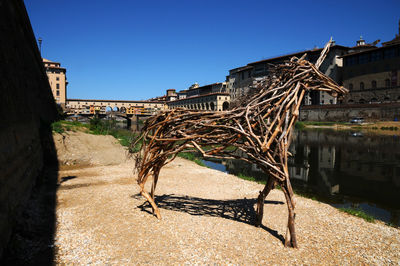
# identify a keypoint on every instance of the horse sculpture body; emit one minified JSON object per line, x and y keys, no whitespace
{"x":260,"y":128}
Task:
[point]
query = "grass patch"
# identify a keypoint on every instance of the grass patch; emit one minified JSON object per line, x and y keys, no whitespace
{"x":359,"y":213}
{"x":57,"y":127}
{"x":97,"y":127}
{"x":250,"y":178}
{"x":299,"y":125}
{"x":192,"y":157}
{"x":63,"y":126}
{"x":389,"y":128}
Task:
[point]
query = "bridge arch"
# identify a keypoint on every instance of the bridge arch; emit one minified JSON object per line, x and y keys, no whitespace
{"x":122,"y":109}
{"x":108,"y":109}
{"x":115,"y":109}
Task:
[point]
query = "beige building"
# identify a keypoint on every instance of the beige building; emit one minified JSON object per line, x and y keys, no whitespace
{"x":217,"y":101}
{"x":58,"y":81}
{"x":211,"y":97}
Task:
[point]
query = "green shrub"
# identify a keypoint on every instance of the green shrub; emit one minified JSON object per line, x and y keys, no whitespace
{"x":299,"y":125}
{"x":57,"y":127}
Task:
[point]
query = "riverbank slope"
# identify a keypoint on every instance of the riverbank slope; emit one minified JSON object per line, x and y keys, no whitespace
{"x":207,"y":217}
{"x":375,"y":128}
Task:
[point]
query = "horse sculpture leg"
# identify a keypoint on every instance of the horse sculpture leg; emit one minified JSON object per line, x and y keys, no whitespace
{"x":150,"y":198}
{"x":156,"y":172}
{"x":261,"y":198}
{"x":290,"y":237}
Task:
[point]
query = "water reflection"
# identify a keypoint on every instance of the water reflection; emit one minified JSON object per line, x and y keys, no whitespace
{"x":343,"y":168}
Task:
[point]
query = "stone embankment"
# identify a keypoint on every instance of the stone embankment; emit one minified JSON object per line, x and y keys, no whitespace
{"x":207,"y":217}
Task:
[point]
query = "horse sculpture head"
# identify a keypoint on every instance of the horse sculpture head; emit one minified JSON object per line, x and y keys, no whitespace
{"x":296,"y":73}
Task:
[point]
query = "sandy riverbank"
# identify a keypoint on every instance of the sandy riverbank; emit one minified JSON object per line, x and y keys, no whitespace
{"x":207,"y":217}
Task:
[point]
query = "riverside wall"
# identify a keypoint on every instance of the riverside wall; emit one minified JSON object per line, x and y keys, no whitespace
{"x":370,"y":112}
{"x":27,"y":109}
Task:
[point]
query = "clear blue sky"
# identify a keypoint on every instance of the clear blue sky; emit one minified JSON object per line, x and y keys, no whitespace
{"x":135,"y":50}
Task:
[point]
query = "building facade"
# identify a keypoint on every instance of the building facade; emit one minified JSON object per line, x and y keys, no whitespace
{"x":218,"y":101}
{"x":372,"y":75}
{"x":240,"y":80}
{"x":212,"y":97}
{"x":58,"y":81}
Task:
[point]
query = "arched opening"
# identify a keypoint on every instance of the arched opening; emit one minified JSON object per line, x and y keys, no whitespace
{"x":386,"y":99}
{"x":373,"y":84}
{"x":115,"y":109}
{"x":374,"y":100}
{"x":207,"y":106}
{"x":225,"y":106}
{"x":362,"y":101}
{"x":108,"y":109}
{"x":203,"y":107}
{"x":212,"y":106}
{"x":350,"y":101}
{"x":122,"y":110}
{"x":398,"y":98}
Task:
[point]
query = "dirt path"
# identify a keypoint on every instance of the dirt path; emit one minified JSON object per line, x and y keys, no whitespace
{"x":207,"y":218}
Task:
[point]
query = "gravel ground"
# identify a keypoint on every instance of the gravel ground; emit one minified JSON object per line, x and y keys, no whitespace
{"x":207,"y":218}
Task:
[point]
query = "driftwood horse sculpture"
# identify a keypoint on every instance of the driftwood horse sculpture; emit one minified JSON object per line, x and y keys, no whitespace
{"x":260,"y":127}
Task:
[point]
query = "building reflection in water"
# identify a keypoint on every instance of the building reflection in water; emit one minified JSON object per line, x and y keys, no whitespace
{"x":344,"y":168}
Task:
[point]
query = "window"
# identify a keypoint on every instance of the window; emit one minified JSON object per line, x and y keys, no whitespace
{"x":389,"y":53}
{"x":57,"y":93}
{"x":57,"y":86}
{"x":373,"y":84}
{"x":364,"y":58}
{"x":361,"y":85}
{"x":387,"y":83}
{"x":57,"y":78}
{"x":352,"y":60}
{"x":375,"y":56}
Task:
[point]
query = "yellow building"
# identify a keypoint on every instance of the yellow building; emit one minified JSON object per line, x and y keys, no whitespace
{"x":58,"y":81}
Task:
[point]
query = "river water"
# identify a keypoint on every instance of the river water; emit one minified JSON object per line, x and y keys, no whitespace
{"x":344,"y":169}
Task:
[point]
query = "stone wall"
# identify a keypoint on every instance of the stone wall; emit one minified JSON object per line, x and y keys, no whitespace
{"x":370,"y":112}
{"x":27,"y":109}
